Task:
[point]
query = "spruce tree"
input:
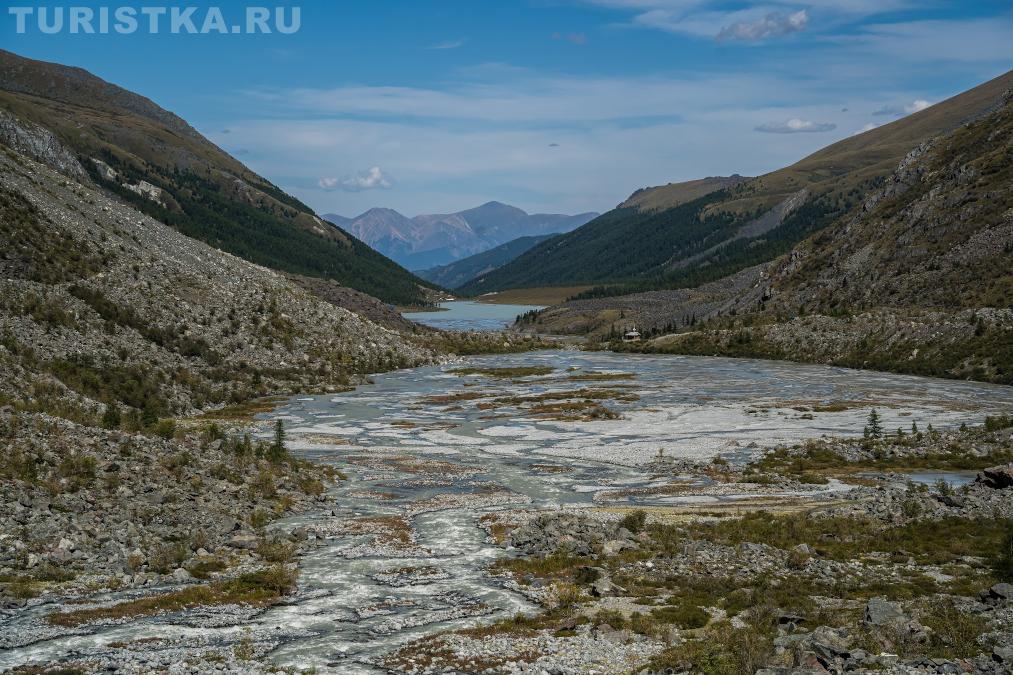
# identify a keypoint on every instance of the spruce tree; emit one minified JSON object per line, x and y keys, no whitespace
{"x":874,"y":429}
{"x":277,"y":451}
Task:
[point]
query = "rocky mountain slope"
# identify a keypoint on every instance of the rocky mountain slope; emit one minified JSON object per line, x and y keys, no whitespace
{"x":427,"y":241}
{"x":917,"y":278}
{"x":460,"y":272}
{"x":92,"y":130}
{"x":101,"y":304}
{"x":111,"y":325}
{"x":676,"y":237}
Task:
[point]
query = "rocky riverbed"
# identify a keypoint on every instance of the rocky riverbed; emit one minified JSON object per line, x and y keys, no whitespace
{"x":477,"y":530}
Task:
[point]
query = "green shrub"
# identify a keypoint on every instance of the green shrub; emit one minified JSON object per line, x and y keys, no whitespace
{"x":167,"y":558}
{"x":634,"y":522}
{"x":686,"y":616}
{"x":164,"y":428}
{"x":1002,"y":562}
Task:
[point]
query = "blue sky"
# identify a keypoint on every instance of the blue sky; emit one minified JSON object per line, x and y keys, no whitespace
{"x":562,"y":106}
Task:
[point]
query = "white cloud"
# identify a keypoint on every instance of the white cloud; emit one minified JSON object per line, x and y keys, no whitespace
{"x":774,"y":24}
{"x":795,"y":126}
{"x":932,"y":42}
{"x":867,"y":127}
{"x":525,"y":98}
{"x":449,"y":44}
{"x":900,"y":110}
{"x":750,"y":21}
{"x":371,"y":179}
{"x":487,"y":131}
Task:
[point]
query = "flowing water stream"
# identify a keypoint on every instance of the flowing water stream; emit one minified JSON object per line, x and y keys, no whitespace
{"x":437,"y":449}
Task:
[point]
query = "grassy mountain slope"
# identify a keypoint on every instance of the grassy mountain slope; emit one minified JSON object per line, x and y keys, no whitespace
{"x":658,"y":240}
{"x":162,"y":166}
{"x":462,"y":271}
{"x":673,"y":194}
{"x":918,"y":278}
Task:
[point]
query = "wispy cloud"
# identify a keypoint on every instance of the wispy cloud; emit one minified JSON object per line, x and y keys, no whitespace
{"x":572,"y":38}
{"x":547,"y":139}
{"x":525,"y":98}
{"x":449,"y":44}
{"x":866,"y":127}
{"x":370,"y":179}
{"x":897,"y":110}
{"x":774,"y":24}
{"x":748,"y":21}
{"x":795,"y":126}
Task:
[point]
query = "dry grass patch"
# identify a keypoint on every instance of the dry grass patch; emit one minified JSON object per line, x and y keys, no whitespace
{"x":258,"y":588}
{"x":243,"y":412}
{"x":393,"y":530}
{"x":456,"y":397}
{"x":596,"y":376}
{"x":584,"y":394}
{"x":575,"y":411}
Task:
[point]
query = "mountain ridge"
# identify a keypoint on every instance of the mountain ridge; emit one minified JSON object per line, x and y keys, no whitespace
{"x":915,"y":278}
{"x":153,"y":159}
{"x":460,"y":272}
{"x":658,"y":239}
{"x":425,"y":241}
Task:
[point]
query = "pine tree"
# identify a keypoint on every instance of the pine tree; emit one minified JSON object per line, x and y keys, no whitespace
{"x":874,"y":429}
{"x":277,"y":452}
{"x":914,"y":428}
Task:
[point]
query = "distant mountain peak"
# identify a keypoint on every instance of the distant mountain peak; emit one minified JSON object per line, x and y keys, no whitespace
{"x":430,"y":240}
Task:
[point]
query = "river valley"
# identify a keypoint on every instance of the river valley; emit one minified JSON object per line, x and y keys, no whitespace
{"x":400,"y":553}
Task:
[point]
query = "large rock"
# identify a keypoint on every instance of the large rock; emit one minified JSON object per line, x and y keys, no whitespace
{"x":243,"y":541}
{"x":882,"y":612}
{"x":996,"y":477}
{"x":1000,"y":594}
{"x":569,"y":532}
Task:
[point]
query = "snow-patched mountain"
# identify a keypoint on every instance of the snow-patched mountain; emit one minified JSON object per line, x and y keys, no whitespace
{"x":437,"y":239}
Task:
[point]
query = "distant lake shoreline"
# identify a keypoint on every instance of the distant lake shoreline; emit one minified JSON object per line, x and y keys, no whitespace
{"x":468,"y":315}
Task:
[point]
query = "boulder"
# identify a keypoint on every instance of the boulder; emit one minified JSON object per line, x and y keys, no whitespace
{"x":1000,"y":594}
{"x":996,"y":477}
{"x":245,"y":542}
{"x":882,"y":612}
{"x":790,"y":620}
{"x":603,"y":587}
{"x":803,"y":549}
{"x":613,"y":546}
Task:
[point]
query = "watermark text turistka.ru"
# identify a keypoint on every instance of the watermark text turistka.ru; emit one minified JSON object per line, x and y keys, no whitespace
{"x":152,"y":19}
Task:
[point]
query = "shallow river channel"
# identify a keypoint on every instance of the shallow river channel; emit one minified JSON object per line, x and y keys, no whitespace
{"x":429,"y":451}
